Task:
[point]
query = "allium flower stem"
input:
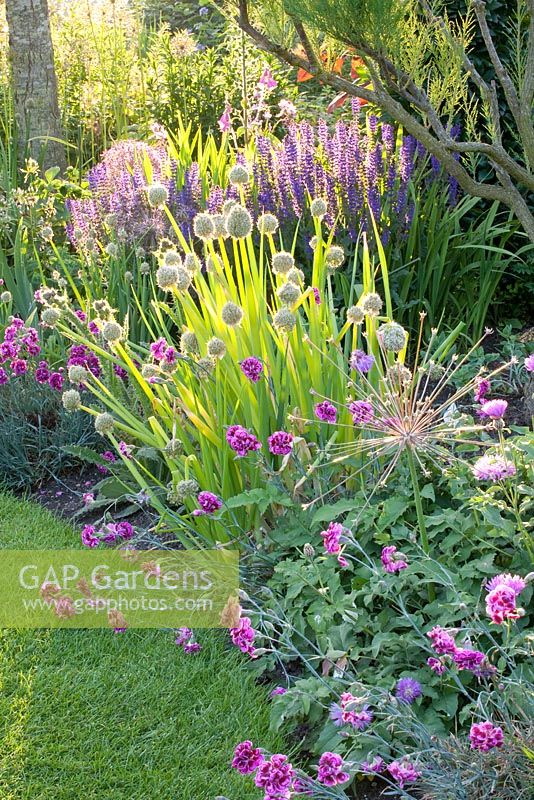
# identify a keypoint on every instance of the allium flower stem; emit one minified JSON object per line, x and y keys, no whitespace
{"x":420,"y":514}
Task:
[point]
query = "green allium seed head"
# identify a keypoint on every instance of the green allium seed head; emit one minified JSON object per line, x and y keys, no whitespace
{"x":314,"y":241}
{"x":112,"y":331}
{"x":334,"y":256}
{"x":104,"y":423}
{"x":205,"y":366}
{"x":110,"y":220}
{"x":318,"y":207}
{"x":186,"y":488}
{"x":112,"y":250}
{"x":231,"y":314}
{"x":284,"y":320}
{"x":102,"y":308}
{"x":289,"y":293}
{"x":238,"y":175}
{"x":219,"y":226}
{"x":355,"y":315}
{"x":216,"y":348}
{"x":371,"y":304}
{"x":267,"y":224}
{"x":174,"y":447}
{"x":71,"y":400}
{"x":393,"y":336}
{"x":171,"y":258}
{"x":203,"y":226}
{"x":295,"y":275}
{"x":77,"y":374}
{"x":149,"y":371}
{"x":183,"y":279}
{"x":166,"y":277}
{"x":128,"y":276}
{"x":283,"y":262}
{"x":239,"y":222}
{"x":5,"y":297}
{"x":189,"y":343}
{"x":157,"y":195}
{"x":50,"y":317}
{"x":191,"y":262}
{"x":47,"y":233}
{"x":144,"y":268}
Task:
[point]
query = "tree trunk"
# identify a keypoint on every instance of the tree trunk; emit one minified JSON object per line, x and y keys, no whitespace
{"x":34,"y":81}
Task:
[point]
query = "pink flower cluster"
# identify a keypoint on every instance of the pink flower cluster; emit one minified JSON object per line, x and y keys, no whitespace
{"x":110,"y":533}
{"x":331,"y":772}
{"x":208,"y":503}
{"x":444,"y":644}
{"x":19,"y":346}
{"x":275,"y":775}
{"x":362,"y":412}
{"x":485,"y":736}
{"x":243,"y":636}
{"x":403,"y":772}
{"x":242,"y":441}
{"x":351,"y":711}
{"x":493,"y":468}
{"x":184,"y":639}
{"x":326,"y":412}
{"x":252,"y":368}
{"x":163,"y":353}
{"x":392,"y":560}
{"x":501,"y":598}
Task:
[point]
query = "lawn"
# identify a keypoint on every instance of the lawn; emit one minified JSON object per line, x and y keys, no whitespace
{"x":92,"y":715}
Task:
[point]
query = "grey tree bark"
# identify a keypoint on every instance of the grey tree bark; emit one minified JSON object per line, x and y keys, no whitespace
{"x":34,"y":80}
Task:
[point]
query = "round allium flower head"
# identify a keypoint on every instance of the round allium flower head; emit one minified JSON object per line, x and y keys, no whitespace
{"x":408,"y":690}
{"x":174,"y":447}
{"x":284,"y":320}
{"x":104,"y":423}
{"x":220,"y":231}
{"x":360,"y":361}
{"x":318,"y":207}
{"x":314,"y":241}
{"x":112,"y":331}
{"x":371,"y":304}
{"x":529,"y":363}
{"x":280,"y":443}
{"x":112,"y":250}
{"x":166,"y":277}
{"x":355,"y":315}
{"x":228,"y":205}
{"x":239,"y":222}
{"x":238,"y":175}
{"x":282,"y":262}
{"x":186,"y":488}
{"x":191,"y":262}
{"x":267,"y":224}
{"x":362,"y":412}
{"x":252,"y":368}
{"x":205,"y":366}
{"x":485,"y":736}
{"x":334,"y":256}
{"x":203,"y":226}
{"x":392,"y":336}
{"x":71,"y":400}
{"x":288,"y":293}
{"x":77,"y":374}
{"x":231,"y":314}
{"x":183,"y":279}
{"x":50,"y":317}
{"x":494,"y":409}
{"x":189,"y":343}
{"x":172,"y":258}
{"x":295,"y":275}
{"x":216,"y":348}
{"x":326,"y":412}
{"x":209,"y":503}
{"x":5,"y":297}
{"x":493,"y":468}
{"x":246,"y":758}
{"x":157,"y":195}
{"x":330,"y":772}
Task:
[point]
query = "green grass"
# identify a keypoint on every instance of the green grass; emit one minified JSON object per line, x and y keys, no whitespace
{"x":87,"y":715}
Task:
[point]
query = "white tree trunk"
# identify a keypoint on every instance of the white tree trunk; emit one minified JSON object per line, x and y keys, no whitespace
{"x":34,"y":80}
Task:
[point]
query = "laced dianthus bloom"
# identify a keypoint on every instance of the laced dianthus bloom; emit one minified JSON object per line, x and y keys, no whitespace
{"x":529,"y":363}
{"x":280,"y":443}
{"x":275,"y":777}
{"x":191,"y":648}
{"x":252,"y":368}
{"x":361,"y":362}
{"x":485,"y":736}
{"x":350,"y":711}
{"x":362,"y":412}
{"x":89,"y":537}
{"x":403,"y":772}
{"x":494,"y":409}
{"x":209,"y":503}
{"x":436,"y":665}
{"x":331,"y":771}
{"x":332,"y":537}
{"x":482,"y":387}
{"x":501,"y":604}
{"x":247,"y":758}
{"x":392,"y":561}
{"x":442,"y":641}
{"x":243,"y":636}
{"x":183,"y":635}
{"x":408,"y":690}
{"x":241,"y":440}
{"x":377,"y":765}
{"x":470,"y":660}
{"x":325,"y":411}
{"x":493,"y":468}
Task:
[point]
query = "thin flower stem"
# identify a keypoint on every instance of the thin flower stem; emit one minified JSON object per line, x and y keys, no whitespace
{"x":420,"y":515}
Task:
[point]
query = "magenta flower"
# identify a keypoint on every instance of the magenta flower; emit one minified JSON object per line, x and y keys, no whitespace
{"x":330,"y":771}
{"x":125,"y":449}
{"x":494,"y":409}
{"x":267,"y":81}
{"x":19,"y":366}
{"x":191,"y":648}
{"x":436,"y":665}
{"x":470,"y":660}
{"x":326,"y":412}
{"x":332,"y":537}
{"x":392,"y":561}
{"x":247,"y":758}
{"x":482,"y":388}
{"x":493,"y":468}
{"x":514,"y":582}
{"x":280,"y":443}
{"x":442,"y":641}
{"x":278,"y":690}
{"x":408,"y":690}
{"x":360,"y":361}
{"x":501,"y":604}
{"x":317,"y":296}
{"x":241,"y":440}
{"x":4,"y":377}
{"x":350,"y":711}
{"x":243,"y":636}
{"x":485,"y":736}
{"x":403,"y":772}
{"x":42,"y":373}
{"x":275,"y":777}
{"x":376,"y":766}
{"x":55,"y":381}
{"x":225,"y":120}
{"x":362,"y":412}
{"x":89,"y":537}
{"x":183,"y":635}
{"x":529,"y":363}
{"x":209,"y":503}
{"x":124,"y":530}
{"x":88,"y":498}
{"x":252,"y":368}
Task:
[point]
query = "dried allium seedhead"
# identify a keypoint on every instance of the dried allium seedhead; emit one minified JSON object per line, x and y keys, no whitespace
{"x":189,"y":343}
{"x":157,"y":195}
{"x":238,"y":175}
{"x":239,"y":222}
{"x":203,"y":226}
{"x":392,"y":336}
{"x":104,"y":423}
{"x":112,"y":332}
{"x":334,"y":257}
{"x":231,"y":314}
{"x":50,"y":317}
{"x":267,"y":224}
{"x":216,"y":348}
{"x":284,"y":320}
{"x":282,"y":262}
{"x":288,"y":293}
{"x":71,"y":400}
{"x":355,"y":315}
{"x":318,"y":207}
{"x":371,"y":304}
{"x":166,"y":277}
